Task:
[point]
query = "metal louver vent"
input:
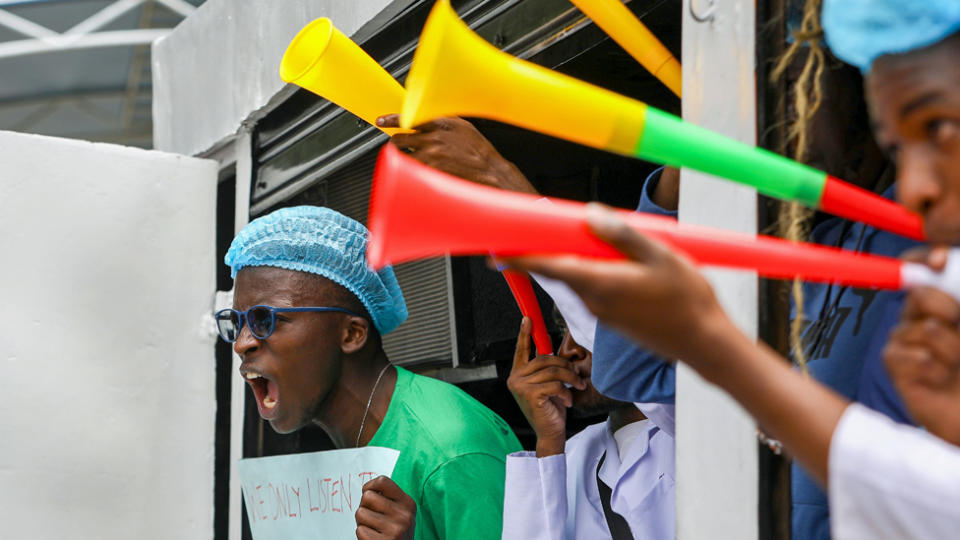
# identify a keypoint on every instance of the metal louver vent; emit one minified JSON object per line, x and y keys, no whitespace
{"x":428,"y":335}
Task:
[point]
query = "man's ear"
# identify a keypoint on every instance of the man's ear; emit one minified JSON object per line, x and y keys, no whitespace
{"x":354,"y":334}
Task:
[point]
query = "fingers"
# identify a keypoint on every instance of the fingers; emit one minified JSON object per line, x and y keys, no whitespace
{"x":370,"y":523}
{"x":423,"y":146}
{"x":406,"y":141}
{"x":385,"y":511}
{"x":910,"y":364}
{"x":533,"y":395}
{"x":611,"y":228}
{"x":393,"y":121}
{"x":366,"y":533}
{"x":934,"y":257}
{"x":451,"y":123}
{"x":927,"y":351}
{"x":553,"y":368}
{"x":943,"y":341}
{"x":937,"y":258}
{"x":387,"y":487}
{"x":917,"y":254}
{"x":389,"y":121}
{"x":927,"y":302}
{"x":372,"y":502}
{"x":543,"y":392}
{"x":543,"y":370}
{"x":522,"y":354}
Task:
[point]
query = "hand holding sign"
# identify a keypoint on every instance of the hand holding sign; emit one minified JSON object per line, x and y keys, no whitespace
{"x":385,"y":512}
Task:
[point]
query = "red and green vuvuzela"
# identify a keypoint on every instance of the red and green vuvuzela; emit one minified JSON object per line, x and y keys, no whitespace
{"x":669,"y":140}
{"x":455,"y":72}
{"x":418,"y":212}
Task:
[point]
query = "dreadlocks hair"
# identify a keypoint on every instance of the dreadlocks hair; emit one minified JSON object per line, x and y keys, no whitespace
{"x":793,"y":221}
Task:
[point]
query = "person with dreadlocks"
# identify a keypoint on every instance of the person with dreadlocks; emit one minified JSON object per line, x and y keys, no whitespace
{"x":884,"y":479}
{"x":837,"y":333}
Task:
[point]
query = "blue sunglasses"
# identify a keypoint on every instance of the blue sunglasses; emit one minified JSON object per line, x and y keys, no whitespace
{"x":260,"y":319}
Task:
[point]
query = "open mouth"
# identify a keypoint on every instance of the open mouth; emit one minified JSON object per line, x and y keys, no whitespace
{"x":266,"y":392}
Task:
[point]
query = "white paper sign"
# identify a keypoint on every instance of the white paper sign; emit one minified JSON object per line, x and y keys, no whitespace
{"x":313,"y":495}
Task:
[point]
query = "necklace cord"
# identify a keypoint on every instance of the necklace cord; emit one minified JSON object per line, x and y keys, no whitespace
{"x":370,"y":401}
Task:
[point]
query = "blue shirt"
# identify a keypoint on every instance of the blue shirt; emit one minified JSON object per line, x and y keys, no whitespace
{"x":844,"y":335}
{"x":622,"y":369}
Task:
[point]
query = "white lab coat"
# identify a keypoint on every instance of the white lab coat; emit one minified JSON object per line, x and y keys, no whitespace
{"x":557,"y":497}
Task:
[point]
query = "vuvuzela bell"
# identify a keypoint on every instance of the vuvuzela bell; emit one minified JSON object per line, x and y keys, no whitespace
{"x":328,"y":63}
{"x":635,"y":38}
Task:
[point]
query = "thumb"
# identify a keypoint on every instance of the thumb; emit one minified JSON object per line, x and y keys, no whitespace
{"x":610,"y":227}
{"x":935,"y":257}
{"x":389,"y":121}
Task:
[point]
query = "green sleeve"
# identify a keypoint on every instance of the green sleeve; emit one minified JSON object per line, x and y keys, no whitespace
{"x":463,"y":498}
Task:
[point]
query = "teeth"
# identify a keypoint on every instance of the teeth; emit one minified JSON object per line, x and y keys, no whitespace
{"x":252,"y":376}
{"x":269,"y":403}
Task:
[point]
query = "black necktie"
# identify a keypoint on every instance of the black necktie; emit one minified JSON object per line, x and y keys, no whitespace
{"x":619,"y":530}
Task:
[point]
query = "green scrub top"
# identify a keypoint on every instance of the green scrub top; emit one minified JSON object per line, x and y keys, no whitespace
{"x":452,"y":457}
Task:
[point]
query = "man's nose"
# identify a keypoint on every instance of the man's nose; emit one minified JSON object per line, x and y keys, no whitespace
{"x":570,"y":349}
{"x":917,"y":185}
{"x":246,"y":343}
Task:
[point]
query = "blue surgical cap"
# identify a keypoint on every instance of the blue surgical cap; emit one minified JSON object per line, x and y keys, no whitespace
{"x":860,"y":31}
{"x":324,"y":242}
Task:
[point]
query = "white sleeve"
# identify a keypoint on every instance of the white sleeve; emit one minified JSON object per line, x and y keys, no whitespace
{"x":889,"y":480}
{"x":582,"y":323}
{"x":535,"y":497}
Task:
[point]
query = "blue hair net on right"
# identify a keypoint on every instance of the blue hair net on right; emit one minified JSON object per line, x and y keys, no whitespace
{"x":321,"y":241}
{"x":860,"y":31}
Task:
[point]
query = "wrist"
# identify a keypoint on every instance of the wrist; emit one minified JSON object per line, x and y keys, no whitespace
{"x":719,"y":350}
{"x":550,"y":446}
{"x":666,"y":193}
{"x":513,"y":179}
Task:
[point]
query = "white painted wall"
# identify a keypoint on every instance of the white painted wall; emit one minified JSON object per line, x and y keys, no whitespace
{"x":219,"y":67}
{"x":243,"y":152}
{"x":717,"y":462}
{"x":108,"y":382}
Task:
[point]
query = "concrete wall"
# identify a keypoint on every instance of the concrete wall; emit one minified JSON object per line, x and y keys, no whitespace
{"x":108,"y":380}
{"x":219,"y":66}
{"x":717,"y":462}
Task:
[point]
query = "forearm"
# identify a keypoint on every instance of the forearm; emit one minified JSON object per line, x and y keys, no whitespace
{"x":507,"y":176}
{"x":667,"y":193}
{"x":793,"y":408}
